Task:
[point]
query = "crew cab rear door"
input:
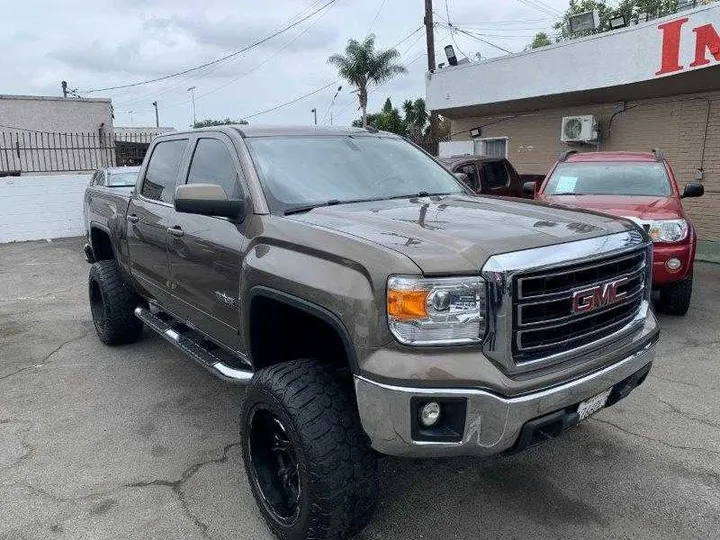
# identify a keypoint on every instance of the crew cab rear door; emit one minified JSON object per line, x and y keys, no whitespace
{"x":206,"y":252}
{"x":148,"y":217}
{"x":496,"y":178}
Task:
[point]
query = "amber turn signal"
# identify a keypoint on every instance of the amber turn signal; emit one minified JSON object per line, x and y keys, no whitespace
{"x":407,"y":305}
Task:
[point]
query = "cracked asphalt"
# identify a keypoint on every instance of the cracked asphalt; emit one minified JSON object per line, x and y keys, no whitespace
{"x":137,"y":442}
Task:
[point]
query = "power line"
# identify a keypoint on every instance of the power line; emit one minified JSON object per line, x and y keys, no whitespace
{"x":382,"y":5}
{"x":479,"y":37}
{"x":544,"y":8}
{"x":276,"y":107}
{"x":218,"y":60}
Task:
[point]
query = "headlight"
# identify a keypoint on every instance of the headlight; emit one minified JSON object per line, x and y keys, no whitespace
{"x":440,"y":311}
{"x":668,"y":230}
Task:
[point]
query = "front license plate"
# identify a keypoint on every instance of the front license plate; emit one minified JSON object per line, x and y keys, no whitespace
{"x":593,"y":405}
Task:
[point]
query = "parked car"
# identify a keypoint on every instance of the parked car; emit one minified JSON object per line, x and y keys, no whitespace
{"x":489,"y":175}
{"x":641,"y":187}
{"x":370,"y":303}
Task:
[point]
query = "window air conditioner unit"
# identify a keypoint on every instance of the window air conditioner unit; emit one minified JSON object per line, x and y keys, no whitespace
{"x":579,"y":129}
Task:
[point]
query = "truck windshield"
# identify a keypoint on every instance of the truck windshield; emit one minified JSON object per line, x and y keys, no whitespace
{"x":639,"y":178}
{"x":302,"y":172}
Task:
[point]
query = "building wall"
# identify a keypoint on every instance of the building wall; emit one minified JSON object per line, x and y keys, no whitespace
{"x":40,"y":207}
{"x":677,"y":125}
{"x":56,"y":114}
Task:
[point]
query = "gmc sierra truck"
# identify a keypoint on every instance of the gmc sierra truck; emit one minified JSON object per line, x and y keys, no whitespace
{"x":369,"y":302}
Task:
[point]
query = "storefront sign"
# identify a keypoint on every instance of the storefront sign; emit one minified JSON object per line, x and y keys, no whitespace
{"x":707,"y":42}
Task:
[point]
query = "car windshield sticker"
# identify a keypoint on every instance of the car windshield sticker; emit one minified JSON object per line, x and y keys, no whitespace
{"x":566,"y":184}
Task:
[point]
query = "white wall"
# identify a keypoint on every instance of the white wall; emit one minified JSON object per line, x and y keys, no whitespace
{"x":609,"y":59}
{"x":40,"y":207}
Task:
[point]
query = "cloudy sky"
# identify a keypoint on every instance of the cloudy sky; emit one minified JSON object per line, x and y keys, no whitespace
{"x":95,"y":44}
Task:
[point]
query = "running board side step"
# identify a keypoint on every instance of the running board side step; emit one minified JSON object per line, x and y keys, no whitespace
{"x":192,"y":348}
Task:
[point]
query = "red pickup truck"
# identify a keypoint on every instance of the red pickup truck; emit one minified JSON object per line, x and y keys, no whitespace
{"x":489,"y":175}
{"x":639,"y":186}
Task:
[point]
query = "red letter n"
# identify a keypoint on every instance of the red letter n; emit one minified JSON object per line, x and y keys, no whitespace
{"x":706,"y":38}
{"x":671,"y":46}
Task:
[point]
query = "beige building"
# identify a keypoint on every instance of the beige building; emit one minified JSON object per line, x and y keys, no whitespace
{"x":655,"y":85}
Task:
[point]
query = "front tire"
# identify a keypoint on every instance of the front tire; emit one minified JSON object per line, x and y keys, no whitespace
{"x":310,"y":467}
{"x":112,"y":304}
{"x":675,"y":297}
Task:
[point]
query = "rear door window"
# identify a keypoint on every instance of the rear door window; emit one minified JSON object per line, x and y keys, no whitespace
{"x":496,"y":174}
{"x":162,"y":170}
{"x":212,"y":163}
{"x":473,"y":177}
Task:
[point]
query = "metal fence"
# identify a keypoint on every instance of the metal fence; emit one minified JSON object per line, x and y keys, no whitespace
{"x":35,"y":151}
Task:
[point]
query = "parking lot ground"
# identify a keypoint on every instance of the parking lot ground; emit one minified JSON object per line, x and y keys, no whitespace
{"x":138,"y":442}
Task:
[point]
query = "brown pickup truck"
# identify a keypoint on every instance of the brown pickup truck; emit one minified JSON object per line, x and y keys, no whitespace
{"x":369,"y":302}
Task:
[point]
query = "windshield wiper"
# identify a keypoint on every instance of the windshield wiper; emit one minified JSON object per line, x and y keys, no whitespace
{"x":308,"y":207}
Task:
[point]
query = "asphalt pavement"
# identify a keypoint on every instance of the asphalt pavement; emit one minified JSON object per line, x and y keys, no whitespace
{"x":138,"y":442}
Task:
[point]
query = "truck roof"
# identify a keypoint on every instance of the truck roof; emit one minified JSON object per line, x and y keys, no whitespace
{"x":246,"y":130}
{"x":582,"y":157}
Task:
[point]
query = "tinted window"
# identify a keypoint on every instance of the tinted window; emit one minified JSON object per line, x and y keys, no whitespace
{"x":648,"y":178}
{"x":473,"y":178}
{"x":296,"y":171}
{"x":162,"y":170}
{"x":212,"y":163}
{"x":496,"y":174}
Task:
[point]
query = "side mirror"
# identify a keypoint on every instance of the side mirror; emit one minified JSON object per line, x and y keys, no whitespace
{"x":208,"y":200}
{"x":693,"y":190}
{"x":528,"y":190}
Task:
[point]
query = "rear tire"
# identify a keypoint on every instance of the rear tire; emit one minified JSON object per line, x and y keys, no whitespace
{"x":112,"y":304}
{"x":675,"y":297}
{"x":318,"y":479}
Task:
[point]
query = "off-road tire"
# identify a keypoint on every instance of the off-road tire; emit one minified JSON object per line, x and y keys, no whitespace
{"x":112,"y":304}
{"x":675,"y":297}
{"x":336,"y":465}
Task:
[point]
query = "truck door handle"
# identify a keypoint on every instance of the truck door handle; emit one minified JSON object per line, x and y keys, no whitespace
{"x":176,"y":230}
{"x":132,"y":218}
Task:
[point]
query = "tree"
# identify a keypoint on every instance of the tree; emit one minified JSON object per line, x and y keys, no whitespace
{"x":388,"y":119}
{"x":541,"y":39}
{"x":362,"y":64}
{"x":416,"y":115}
{"x":210,"y":122}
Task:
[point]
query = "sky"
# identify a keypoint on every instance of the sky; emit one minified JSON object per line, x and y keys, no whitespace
{"x":96,"y":44}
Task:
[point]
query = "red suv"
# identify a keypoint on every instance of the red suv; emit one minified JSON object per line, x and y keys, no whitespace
{"x":641,"y":187}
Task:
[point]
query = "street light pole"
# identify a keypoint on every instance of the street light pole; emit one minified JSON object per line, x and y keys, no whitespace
{"x":192,"y":97}
{"x":157,"y":118}
{"x":314,"y":111}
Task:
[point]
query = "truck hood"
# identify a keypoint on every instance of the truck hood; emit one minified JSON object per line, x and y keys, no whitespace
{"x":457,"y":234}
{"x":645,"y":208}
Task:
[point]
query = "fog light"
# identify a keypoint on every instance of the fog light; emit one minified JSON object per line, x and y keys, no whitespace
{"x":430,"y":414}
{"x":673,"y":264}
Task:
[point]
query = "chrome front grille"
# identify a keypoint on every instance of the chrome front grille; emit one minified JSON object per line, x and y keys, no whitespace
{"x":531,"y":321}
{"x":545,"y":322}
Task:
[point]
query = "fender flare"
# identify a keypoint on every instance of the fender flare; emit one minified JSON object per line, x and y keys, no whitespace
{"x":310,"y":308}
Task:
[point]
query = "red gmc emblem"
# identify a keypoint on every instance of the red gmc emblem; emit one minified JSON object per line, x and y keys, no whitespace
{"x":598,"y":296}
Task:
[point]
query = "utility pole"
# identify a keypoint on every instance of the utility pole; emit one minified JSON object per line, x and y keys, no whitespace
{"x":430,"y":39}
{"x":314,"y":111}
{"x":157,"y":118}
{"x":331,"y":120}
{"x":64,"y":88}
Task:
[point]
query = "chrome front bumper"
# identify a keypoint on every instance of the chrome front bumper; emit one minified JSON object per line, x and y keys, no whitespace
{"x":492,"y":423}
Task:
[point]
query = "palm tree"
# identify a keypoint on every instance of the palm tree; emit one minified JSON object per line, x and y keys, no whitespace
{"x":416,"y":115}
{"x":362,"y":64}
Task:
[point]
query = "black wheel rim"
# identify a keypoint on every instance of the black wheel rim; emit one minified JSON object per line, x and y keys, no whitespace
{"x":97,"y":306}
{"x":274,"y":465}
